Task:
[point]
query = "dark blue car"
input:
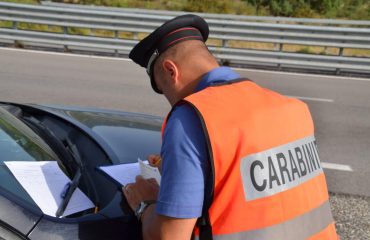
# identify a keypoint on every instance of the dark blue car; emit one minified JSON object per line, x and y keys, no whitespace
{"x":63,"y":134}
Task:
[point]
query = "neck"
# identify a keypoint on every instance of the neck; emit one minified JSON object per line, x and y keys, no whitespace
{"x":193,"y":61}
{"x":191,"y":82}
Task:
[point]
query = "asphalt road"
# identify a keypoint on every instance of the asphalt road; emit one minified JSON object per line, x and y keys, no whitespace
{"x":340,"y":108}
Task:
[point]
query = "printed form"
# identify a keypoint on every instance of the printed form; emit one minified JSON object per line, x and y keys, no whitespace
{"x":126,"y":173}
{"x":44,"y":182}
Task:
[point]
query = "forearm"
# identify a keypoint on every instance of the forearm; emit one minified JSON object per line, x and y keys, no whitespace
{"x":149,"y":228}
{"x":158,"y":227}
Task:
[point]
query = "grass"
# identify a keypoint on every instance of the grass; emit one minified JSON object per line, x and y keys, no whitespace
{"x":6,"y":24}
{"x":251,"y":45}
{"x":291,"y":48}
{"x":22,"y":1}
{"x":357,"y":52}
{"x":39,"y":27}
{"x":311,"y":50}
{"x":127,"y":35}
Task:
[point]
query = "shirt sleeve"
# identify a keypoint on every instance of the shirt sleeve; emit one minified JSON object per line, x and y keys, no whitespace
{"x":185,"y":165}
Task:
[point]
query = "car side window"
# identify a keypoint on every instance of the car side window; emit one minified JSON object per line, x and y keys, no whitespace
{"x":8,"y":234}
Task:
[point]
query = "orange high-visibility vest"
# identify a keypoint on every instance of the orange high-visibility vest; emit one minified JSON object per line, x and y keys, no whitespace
{"x":268,"y":179}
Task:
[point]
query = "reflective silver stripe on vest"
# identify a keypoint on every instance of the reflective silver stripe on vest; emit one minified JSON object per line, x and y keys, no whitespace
{"x":280,"y":168}
{"x":299,"y":228}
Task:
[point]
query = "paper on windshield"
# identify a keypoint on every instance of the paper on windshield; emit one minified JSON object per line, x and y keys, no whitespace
{"x":122,"y":173}
{"x":44,"y":182}
{"x":126,"y":173}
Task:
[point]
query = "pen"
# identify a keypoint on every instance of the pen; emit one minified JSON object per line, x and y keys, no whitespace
{"x":65,"y":190}
{"x":68,"y":192}
{"x":157,"y":161}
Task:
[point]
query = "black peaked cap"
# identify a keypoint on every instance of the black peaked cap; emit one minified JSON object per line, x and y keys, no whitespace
{"x":178,"y":29}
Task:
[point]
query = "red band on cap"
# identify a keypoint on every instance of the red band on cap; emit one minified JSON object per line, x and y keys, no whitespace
{"x":180,"y":29}
{"x":179,"y":39}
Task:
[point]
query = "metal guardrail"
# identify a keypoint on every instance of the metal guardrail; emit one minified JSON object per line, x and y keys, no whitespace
{"x":229,"y":30}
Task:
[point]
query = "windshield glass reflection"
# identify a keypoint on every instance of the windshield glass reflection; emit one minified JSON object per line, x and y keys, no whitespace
{"x":19,"y":143}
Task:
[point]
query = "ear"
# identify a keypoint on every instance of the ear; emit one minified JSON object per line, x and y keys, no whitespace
{"x":171,"y":69}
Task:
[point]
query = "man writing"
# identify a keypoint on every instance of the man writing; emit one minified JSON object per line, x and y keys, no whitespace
{"x":239,"y":161}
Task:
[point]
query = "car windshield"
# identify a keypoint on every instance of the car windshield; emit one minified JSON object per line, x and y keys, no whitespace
{"x":19,"y":143}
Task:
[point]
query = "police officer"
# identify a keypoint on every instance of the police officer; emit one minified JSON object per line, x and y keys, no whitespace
{"x":239,"y":161}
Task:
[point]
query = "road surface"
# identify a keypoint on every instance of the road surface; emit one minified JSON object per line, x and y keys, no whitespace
{"x":340,"y":107}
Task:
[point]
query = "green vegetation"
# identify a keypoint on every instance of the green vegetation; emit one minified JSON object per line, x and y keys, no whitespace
{"x":22,"y":1}
{"x":349,"y":9}
{"x":345,"y":9}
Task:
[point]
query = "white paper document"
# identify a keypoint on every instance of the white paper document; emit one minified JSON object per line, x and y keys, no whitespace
{"x":148,"y":171}
{"x":44,"y":182}
{"x":127,"y":172}
{"x":122,"y":173}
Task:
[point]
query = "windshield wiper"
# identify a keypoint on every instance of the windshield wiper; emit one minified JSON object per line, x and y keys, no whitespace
{"x":72,"y":186}
{"x":64,"y":157}
{"x":77,"y":157}
{"x":68,"y":152}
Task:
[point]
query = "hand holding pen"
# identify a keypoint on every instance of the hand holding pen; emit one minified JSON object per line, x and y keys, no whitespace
{"x":155,"y":161}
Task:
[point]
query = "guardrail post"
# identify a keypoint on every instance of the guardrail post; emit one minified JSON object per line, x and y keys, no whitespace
{"x":224,"y":43}
{"x":116,"y":36}
{"x":65,"y":30}
{"x":281,"y":46}
{"x":15,"y":26}
{"x":278,"y":46}
{"x":136,"y":36}
{"x":340,"y":54}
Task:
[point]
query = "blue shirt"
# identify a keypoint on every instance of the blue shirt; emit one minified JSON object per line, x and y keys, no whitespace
{"x":185,"y":165}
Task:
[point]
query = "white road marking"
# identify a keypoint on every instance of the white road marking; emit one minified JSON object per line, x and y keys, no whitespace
{"x":336,"y":166}
{"x":313,"y":99}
